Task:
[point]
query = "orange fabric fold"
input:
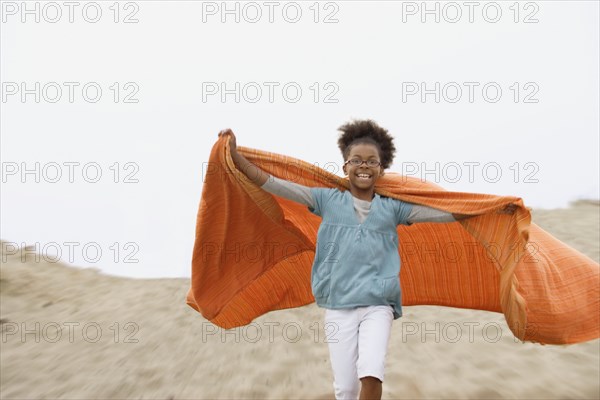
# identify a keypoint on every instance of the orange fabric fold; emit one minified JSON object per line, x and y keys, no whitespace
{"x":253,"y":253}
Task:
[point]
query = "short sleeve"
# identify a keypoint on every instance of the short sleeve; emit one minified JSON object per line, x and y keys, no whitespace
{"x":320,"y":197}
{"x":403,"y":210}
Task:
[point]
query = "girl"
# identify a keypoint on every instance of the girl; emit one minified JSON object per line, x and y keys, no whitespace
{"x":355,"y":274}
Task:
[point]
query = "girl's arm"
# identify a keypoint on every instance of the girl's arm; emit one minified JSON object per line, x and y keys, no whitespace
{"x":290,"y":190}
{"x":509,"y":209}
{"x":279,"y":187}
{"x":420,"y":213}
{"x":253,"y":173}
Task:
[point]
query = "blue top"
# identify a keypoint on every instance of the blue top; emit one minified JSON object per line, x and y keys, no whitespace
{"x":357,"y":264}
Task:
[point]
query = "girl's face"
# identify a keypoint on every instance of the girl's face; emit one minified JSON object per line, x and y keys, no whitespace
{"x":363,"y":176}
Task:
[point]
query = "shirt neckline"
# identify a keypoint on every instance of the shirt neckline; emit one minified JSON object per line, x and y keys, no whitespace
{"x":373,"y":202}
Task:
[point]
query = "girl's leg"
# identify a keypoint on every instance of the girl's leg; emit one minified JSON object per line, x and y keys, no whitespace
{"x":373,"y":338}
{"x":371,"y":388}
{"x":341,"y":330}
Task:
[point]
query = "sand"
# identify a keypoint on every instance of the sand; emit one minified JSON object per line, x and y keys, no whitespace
{"x":74,"y":333}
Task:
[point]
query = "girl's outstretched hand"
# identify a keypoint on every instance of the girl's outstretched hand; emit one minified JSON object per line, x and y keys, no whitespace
{"x":232,"y":143}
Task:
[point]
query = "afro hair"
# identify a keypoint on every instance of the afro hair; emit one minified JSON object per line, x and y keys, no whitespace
{"x":367,"y":131}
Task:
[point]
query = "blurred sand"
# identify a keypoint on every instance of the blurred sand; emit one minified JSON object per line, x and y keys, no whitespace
{"x":133,"y":338}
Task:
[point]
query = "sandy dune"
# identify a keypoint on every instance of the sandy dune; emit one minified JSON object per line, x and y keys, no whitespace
{"x":75,"y":333}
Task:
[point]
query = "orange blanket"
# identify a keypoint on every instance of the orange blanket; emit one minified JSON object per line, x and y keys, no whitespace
{"x":254,"y":251}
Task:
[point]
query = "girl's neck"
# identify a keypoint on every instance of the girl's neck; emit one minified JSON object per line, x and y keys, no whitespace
{"x":366,"y":195}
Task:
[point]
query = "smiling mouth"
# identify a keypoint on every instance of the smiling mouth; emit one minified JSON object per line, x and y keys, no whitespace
{"x":363,"y":177}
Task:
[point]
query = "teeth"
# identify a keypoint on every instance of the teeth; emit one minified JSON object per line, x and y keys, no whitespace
{"x":363,"y":176}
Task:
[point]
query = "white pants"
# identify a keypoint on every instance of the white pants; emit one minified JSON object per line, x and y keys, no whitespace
{"x":358,"y":340}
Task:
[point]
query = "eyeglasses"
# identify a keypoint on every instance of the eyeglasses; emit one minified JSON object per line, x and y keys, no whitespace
{"x":357,"y":162}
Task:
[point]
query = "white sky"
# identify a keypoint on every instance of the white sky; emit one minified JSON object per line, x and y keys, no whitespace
{"x":369,"y":59}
